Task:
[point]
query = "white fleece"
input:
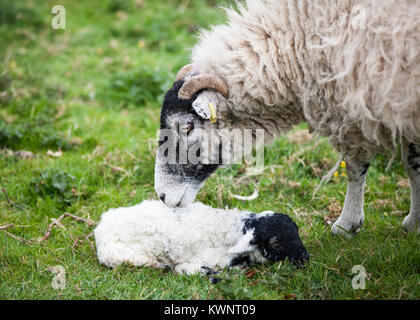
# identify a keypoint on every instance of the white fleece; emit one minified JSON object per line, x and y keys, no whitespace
{"x":350,"y":68}
{"x":183,"y":239}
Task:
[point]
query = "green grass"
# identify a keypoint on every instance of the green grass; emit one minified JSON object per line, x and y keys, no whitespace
{"x":93,"y":91}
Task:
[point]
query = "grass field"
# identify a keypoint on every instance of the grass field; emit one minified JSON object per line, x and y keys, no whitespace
{"x":85,"y":103}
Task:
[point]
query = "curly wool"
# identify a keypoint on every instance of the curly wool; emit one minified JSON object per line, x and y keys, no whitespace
{"x":195,"y":238}
{"x":350,"y":68}
{"x":183,"y":239}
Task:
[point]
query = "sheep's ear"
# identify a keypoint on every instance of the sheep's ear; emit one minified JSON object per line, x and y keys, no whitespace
{"x":244,"y":244}
{"x":203,"y":106}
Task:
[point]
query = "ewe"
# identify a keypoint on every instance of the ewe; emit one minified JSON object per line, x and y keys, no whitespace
{"x":349,"y":68}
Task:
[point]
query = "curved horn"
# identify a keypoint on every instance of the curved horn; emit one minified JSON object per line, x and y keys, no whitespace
{"x":203,"y":81}
{"x":185,"y":70}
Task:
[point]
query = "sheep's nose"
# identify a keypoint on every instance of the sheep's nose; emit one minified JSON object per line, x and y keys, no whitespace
{"x":162,"y":197}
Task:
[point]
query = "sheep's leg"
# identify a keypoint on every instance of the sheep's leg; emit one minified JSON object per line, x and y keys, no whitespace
{"x":411,"y":161}
{"x":352,"y":215}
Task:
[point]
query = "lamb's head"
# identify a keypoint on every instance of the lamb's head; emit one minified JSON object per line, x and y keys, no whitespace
{"x":188,"y":151}
{"x":273,"y":237}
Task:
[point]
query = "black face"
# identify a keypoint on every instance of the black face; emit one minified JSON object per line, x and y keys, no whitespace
{"x":176,"y":175}
{"x":276,"y":236}
{"x":172,"y":106}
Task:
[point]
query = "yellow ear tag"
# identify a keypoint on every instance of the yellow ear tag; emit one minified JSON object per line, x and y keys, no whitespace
{"x":213,"y":115}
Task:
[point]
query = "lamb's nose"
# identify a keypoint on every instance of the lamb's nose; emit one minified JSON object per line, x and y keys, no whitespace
{"x":162,"y":197}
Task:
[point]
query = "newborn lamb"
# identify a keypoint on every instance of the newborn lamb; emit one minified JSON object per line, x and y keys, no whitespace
{"x":195,"y":238}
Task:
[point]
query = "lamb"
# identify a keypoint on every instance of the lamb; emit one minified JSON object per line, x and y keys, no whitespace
{"x":350,"y":69}
{"x":195,"y":238}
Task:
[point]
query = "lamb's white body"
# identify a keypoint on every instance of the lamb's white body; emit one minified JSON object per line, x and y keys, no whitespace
{"x":184,"y":239}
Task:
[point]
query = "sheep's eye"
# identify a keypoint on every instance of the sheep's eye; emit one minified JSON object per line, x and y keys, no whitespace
{"x":185,"y":128}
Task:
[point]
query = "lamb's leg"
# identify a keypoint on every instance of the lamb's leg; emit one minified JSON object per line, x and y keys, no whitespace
{"x":411,"y":161}
{"x":212,"y":274}
{"x":352,"y":215}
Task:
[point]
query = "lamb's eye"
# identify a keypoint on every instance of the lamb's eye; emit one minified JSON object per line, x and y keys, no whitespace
{"x":185,"y":128}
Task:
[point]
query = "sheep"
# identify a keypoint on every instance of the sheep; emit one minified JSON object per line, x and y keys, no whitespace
{"x":350,"y":69}
{"x":195,"y":238}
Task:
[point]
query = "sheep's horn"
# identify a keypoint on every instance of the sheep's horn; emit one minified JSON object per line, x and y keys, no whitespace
{"x":203,"y":81}
{"x":184,"y":71}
